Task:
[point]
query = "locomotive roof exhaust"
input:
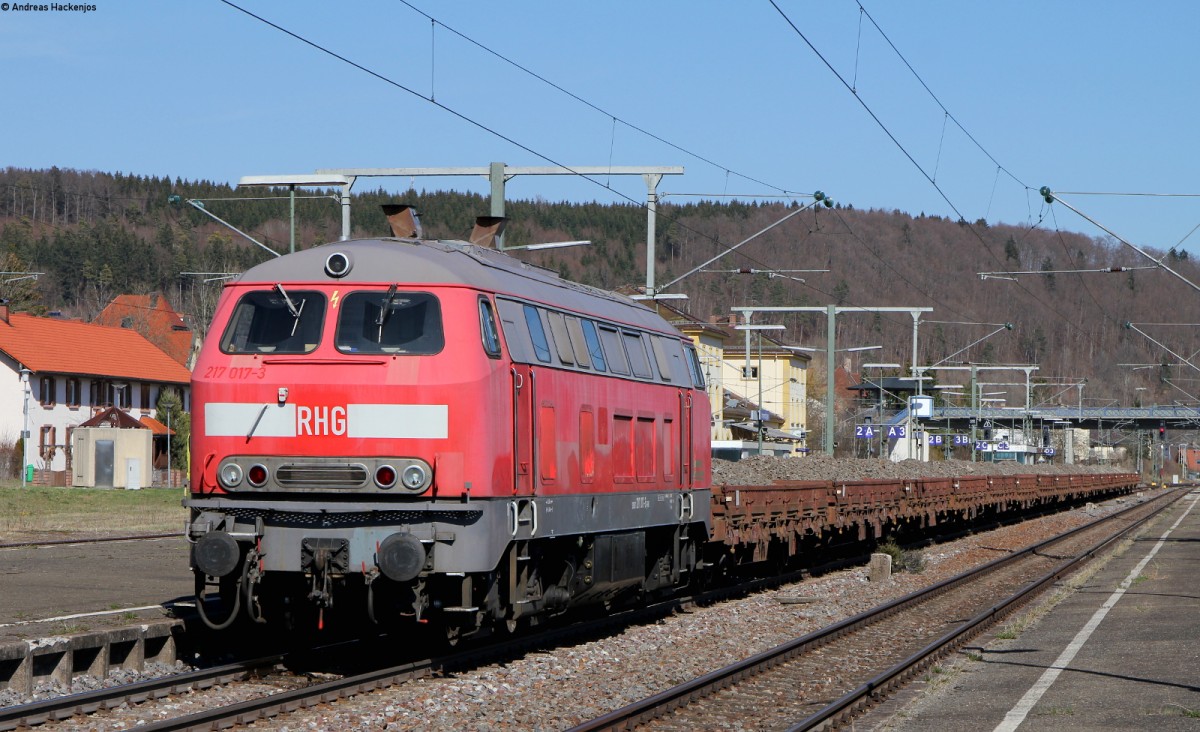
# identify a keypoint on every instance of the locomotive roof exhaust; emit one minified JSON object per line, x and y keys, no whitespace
{"x":488,"y":230}
{"x":405,"y":222}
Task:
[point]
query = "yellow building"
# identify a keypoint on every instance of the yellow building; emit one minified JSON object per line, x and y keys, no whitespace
{"x":783,"y":386}
{"x":775,"y":378}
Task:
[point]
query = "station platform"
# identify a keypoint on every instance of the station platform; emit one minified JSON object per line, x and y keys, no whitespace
{"x":1120,"y":653}
{"x":89,"y":585}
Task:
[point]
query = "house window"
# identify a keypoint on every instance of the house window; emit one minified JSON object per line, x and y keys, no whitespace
{"x":46,"y":443}
{"x":119,"y":395}
{"x":145,"y":397}
{"x":96,"y":392}
{"x":46,"y":395}
{"x":74,"y":396}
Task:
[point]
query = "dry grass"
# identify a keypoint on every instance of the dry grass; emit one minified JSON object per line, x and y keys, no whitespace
{"x":37,"y":512}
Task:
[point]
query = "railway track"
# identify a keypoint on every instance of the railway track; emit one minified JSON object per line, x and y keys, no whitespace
{"x":288,"y":692}
{"x":65,"y":707}
{"x":826,"y":678}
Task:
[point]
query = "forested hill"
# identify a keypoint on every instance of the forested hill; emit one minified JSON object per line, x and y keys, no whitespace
{"x":95,"y":235}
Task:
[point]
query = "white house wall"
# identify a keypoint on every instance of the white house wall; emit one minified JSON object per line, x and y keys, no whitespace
{"x":59,"y":416}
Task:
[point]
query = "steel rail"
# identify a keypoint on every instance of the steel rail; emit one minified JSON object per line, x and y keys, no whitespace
{"x":660,"y":704}
{"x":65,"y":707}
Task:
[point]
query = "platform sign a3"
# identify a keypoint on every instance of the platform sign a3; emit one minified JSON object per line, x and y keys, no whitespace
{"x":897,"y":432}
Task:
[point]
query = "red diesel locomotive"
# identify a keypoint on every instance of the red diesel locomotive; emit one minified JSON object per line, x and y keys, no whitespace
{"x":438,"y":432}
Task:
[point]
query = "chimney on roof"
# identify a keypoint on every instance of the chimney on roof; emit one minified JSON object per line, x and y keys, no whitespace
{"x":488,"y":230}
{"x":403,"y":219}
{"x":4,"y":310}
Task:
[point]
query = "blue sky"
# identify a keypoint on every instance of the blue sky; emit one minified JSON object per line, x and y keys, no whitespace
{"x":1088,"y":97}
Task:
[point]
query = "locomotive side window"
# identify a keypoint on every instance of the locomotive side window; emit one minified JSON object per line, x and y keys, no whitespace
{"x":541,"y":346}
{"x":487,"y":328}
{"x":658,"y":344}
{"x":558,"y":328}
{"x":636,"y":349}
{"x":593,"y":345}
{"x":390,"y":322}
{"x":578,"y":342}
{"x":514,"y":330}
{"x":275,"y":321}
{"x":614,"y":352}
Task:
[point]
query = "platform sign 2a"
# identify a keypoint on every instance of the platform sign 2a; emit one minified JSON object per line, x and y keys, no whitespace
{"x":866,"y":431}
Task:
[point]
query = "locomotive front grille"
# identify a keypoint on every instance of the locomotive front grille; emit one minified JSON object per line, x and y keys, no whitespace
{"x":300,"y":475}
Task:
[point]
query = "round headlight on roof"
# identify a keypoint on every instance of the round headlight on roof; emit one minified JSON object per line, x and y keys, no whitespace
{"x":338,"y":264}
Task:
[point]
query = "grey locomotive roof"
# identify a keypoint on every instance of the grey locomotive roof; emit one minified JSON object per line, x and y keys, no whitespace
{"x":423,"y":262}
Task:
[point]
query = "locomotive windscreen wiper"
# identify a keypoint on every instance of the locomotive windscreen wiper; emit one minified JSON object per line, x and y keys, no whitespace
{"x":291,"y":306}
{"x":385,"y":307}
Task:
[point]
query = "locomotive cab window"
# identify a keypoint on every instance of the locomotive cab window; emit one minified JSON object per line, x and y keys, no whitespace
{"x":275,"y":321}
{"x":487,"y":327}
{"x":390,"y":322}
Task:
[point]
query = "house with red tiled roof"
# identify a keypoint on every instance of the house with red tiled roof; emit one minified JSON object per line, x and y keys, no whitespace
{"x":56,"y":374}
{"x":153,"y":317}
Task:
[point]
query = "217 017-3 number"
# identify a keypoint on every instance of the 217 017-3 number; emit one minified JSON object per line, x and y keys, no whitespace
{"x":235,"y":372}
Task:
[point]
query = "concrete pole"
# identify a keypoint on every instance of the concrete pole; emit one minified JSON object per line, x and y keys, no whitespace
{"x":496,"y":178}
{"x":652,"y":181}
{"x":292,"y":218}
{"x":346,"y":209}
{"x":975,"y":410}
{"x":830,"y":347}
{"x":760,"y":399}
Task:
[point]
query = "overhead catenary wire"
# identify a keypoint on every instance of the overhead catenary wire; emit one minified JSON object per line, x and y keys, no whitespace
{"x":895,"y":141}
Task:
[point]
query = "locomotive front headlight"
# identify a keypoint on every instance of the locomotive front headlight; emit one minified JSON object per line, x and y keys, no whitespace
{"x":257,"y":475}
{"x":385,"y":476}
{"x":414,"y":477}
{"x":230,"y":475}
